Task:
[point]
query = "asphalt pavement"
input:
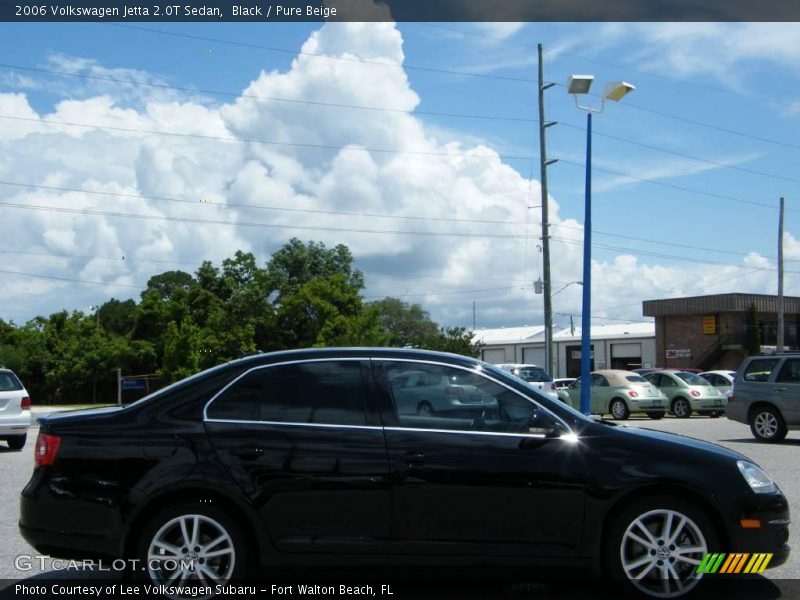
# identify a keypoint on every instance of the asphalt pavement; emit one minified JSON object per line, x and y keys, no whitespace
{"x":779,"y":460}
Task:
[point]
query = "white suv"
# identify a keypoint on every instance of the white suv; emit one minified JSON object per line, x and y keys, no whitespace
{"x":15,"y":410}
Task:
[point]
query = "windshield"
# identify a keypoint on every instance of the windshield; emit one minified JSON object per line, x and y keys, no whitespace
{"x":692,"y":379}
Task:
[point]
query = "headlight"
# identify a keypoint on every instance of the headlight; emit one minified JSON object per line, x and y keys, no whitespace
{"x":759,"y":482}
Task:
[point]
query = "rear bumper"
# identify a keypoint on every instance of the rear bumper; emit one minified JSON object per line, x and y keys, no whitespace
{"x":16,"y":425}
{"x":736,"y":411}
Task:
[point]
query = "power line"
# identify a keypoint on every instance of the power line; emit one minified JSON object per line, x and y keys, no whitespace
{"x":295,"y":52}
{"x":72,"y":280}
{"x":388,"y":150}
{"x":93,"y":212}
{"x":266,"y":98}
{"x":91,"y":257}
{"x":348,"y":147}
{"x":392,"y":110}
{"x":555,"y":55}
{"x":682,"y":155}
{"x":673,"y":185}
{"x":259,"y":206}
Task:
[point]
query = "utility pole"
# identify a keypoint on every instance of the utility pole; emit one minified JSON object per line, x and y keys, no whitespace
{"x":543,"y":164}
{"x":780,"y":279}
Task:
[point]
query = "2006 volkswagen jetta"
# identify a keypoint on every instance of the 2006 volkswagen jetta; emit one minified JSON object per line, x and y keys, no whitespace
{"x":302,"y":457}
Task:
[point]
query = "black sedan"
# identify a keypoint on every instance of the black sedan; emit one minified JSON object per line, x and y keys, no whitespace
{"x":302,"y":458}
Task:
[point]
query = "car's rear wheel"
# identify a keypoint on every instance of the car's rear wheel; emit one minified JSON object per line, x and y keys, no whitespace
{"x":619,"y":410}
{"x":192,"y":545}
{"x":656,"y":415}
{"x":654,"y":546}
{"x":681,"y":408}
{"x":767,"y":424}
{"x":17,"y":442}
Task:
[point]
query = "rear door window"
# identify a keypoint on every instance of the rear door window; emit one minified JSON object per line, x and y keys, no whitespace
{"x":790,"y":371}
{"x":759,"y":369}
{"x":324,"y":392}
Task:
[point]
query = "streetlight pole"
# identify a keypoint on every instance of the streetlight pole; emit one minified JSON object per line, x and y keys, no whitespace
{"x":580,"y":85}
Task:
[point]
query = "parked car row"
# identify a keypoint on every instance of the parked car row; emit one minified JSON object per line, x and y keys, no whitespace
{"x":621,"y":393}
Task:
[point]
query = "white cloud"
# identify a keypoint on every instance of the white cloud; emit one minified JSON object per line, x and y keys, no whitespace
{"x":321,"y":159}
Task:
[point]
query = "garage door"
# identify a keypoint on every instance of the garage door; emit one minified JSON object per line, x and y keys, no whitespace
{"x":626,"y":350}
{"x":494,"y":356}
{"x":533,"y":356}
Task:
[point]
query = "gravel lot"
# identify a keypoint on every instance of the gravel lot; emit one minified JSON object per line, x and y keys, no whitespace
{"x":778,"y":460}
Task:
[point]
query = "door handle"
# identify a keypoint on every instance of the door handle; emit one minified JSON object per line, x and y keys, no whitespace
{"x":249,"y":452}
{"x":779,"y":389}
{"x":414,"y":459}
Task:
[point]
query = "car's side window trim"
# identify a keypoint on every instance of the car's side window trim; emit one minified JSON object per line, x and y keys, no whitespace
{"x":279,"y":364}
{"x":476,"y":371}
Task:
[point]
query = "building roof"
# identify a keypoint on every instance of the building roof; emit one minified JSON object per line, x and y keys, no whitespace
{"x":716,"y":303}
{"x":534,"y":334}
{"x":604,"y":332}
{"x":509,"y":335}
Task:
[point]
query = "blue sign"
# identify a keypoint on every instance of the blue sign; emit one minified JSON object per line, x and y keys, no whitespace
{"x":133,"y":384}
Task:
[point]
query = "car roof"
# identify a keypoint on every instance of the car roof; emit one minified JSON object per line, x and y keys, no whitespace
{"x":356,"y":352}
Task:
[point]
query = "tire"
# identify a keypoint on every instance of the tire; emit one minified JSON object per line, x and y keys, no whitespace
{"x":656,"y":415}
{"x":619,"y":410}
{"x":424,"y":409}
{"x":681,"y":408}
{"x":204,"y":539}
{"x":715,"y":414}
{"x":643,"y":566}
{"x":767,"y":424}
{"x":17,"y":442}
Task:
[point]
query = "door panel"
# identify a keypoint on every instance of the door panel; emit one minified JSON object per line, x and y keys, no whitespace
{"x":298,"y":441}
{"x":465,"y":485}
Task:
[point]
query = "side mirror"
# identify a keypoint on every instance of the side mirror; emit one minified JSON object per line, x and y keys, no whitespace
{"x":541,"y":423}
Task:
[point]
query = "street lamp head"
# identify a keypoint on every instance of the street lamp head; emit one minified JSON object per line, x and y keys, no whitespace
{"x":616,"y":90}
{"x":579,"y":84}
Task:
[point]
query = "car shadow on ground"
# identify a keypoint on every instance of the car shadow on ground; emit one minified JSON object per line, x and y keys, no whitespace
{"x":786,"y":442}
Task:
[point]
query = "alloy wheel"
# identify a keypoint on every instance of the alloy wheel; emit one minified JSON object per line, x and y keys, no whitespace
{"x":191,"y":549}
{"x":766,"y":425}
{"x":660,"y":551}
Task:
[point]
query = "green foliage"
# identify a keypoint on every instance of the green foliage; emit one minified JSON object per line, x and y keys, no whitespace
{"x":306,"y":295}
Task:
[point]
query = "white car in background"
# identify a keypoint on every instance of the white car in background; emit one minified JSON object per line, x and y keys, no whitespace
{"x":534,"y":376}
{"x":15,"y":410}
{"x":722,"y":380}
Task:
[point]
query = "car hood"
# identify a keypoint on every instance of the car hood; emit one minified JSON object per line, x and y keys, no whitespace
{"x":681,"y":441}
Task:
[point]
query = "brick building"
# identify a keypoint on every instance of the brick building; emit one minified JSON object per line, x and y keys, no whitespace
{"x":714,"y":332}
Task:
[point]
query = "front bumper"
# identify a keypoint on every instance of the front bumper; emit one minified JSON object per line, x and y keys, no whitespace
{"x":772,"y":536}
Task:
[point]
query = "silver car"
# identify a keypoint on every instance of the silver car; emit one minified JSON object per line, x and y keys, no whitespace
{"x":428,"y":393}
{"x":15,"y":410}
{"x":722,"y":380}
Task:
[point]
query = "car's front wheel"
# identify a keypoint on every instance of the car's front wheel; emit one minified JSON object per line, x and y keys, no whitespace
{"x":17,"y":442}
{"x":654,"y":546}
{"x":767,"y":424}
{"x":192,"y":545}
{"x":619,"y":410}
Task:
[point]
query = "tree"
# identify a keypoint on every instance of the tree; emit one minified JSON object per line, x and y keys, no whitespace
{"x":404,"y":324}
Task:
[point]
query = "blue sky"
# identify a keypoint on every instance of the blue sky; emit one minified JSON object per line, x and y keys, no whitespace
{"x":711,"y":198}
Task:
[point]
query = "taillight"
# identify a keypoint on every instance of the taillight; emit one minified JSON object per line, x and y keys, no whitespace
{"x":46,"y":449}
{"x":731,"y":398}
{"x":25,"y":404}
{"x":632,"y":394}
{"x":695,"y":393}
{"x":553,"y":387}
